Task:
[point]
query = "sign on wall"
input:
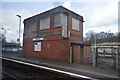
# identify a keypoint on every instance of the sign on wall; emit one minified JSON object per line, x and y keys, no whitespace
{"x":38,"y":39}
{"x":37,"y":46}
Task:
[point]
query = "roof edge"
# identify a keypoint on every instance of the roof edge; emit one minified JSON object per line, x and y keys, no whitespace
{"x":51,"y":10}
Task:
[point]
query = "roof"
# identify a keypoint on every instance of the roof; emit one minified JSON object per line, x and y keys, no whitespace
{"x":12,"y":44}
{"x":59,"y":9}
{"x":79,"y":43}
{"x":108,"y":44}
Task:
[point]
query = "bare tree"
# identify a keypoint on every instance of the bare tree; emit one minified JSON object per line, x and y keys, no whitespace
{"x":101,"y":37}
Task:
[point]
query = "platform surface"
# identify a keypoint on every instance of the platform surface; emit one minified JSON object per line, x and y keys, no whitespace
{"x":86,"y":70}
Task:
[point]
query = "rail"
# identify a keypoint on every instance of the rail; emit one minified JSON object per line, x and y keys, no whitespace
{"x":52,"y":69}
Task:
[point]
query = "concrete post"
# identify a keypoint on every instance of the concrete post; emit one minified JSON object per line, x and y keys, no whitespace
{"x":113,"y":56}
{"x":117,"y":59}
{"x":94,"y":58}
{"x":71,"y":52}
{"x":0,"y":56}
{"x":81,"y":54}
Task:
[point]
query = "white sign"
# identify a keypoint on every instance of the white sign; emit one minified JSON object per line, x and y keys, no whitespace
{"x":37,"y":39}
{"x":37,"y":46}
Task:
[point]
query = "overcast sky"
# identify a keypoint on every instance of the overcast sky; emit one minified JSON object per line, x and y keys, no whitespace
{"x":99,"y":15}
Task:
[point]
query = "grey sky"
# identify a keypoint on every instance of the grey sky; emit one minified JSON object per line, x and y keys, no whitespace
{"x":99,"y":15}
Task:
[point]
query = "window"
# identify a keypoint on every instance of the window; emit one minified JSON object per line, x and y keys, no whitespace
{"x":60,"y":20}
{"x":37,"y":46}
{"x":45,"y":23}
{"x":32,"y":26}
{"x":63,"y":20}
{"x":26,"y":28}
{"x":57,"y":20}
{"x":75,"y":24}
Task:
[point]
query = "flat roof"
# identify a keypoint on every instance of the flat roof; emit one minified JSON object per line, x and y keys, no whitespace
{"x":108,"y":44}
{"x":80,"y":43}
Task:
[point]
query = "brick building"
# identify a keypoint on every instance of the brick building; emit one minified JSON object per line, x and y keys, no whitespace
{"x":56,"y":34}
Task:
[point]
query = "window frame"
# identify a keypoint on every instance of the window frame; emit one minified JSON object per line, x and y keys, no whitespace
{"x":58,"y":25}
{"x":61,"y":15}
{"x":47,"y":18}
{"x":74,"y":20}
{"x":33,"y":27}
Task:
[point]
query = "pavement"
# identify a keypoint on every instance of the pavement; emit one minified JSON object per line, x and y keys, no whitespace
{"x":86,"y":70}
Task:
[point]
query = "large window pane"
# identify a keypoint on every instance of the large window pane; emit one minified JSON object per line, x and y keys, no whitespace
{"x":32,"y":26}
{"x":75,"y":24}
{"x":64,"y":26}
{"x":57,"y":21}
{"x":26,"y":28}
{"x":60,"y":20}
{"x":45,"y":23}
{"x":63,"y":20}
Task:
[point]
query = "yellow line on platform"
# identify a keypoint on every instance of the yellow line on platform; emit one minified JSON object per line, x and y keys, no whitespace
{"x":25,"y":59}
{"x":101,"y":74}
{"x":33,"y":61}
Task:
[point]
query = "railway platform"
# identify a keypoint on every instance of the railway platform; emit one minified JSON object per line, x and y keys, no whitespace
{"x":80,"y":69}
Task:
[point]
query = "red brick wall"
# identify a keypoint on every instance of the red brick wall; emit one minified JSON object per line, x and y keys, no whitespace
{"x":87,"y":51}
{"x":27,"y":47}
{"x":51,"y":49}
{"x":76,"y":53}
{"x":79,"y":33}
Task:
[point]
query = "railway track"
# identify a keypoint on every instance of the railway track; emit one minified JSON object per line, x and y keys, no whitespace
{"x":7,"y":75}
{"x":29,"y":70}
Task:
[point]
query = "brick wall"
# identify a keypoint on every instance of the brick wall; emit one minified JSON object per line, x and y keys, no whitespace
{"x":54,"y":46}
{"x":77,"y":35}
{"x":87,"y":51}
{"x":76,"y":54}
{"x":56,"y":50}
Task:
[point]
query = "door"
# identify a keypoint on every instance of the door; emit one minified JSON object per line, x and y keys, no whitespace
{"x":81,"y":54}
{"x":71,"y":54}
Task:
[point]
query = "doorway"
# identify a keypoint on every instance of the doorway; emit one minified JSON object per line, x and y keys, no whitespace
{"x":71,"y":54}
